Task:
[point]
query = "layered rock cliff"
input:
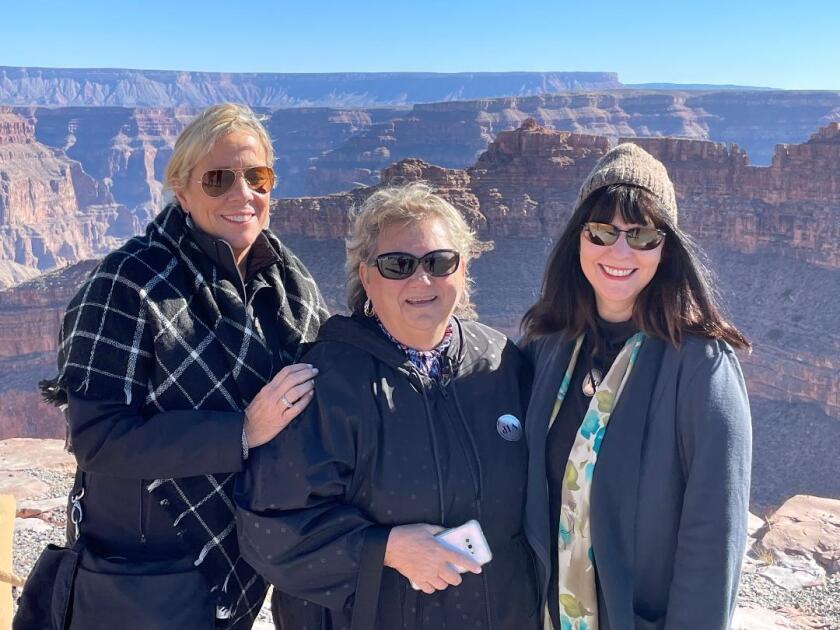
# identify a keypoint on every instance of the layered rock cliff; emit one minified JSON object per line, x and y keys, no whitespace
{"x":755,"y":218}
{"x":56,"y":87}
{"x":49,"y":213}
{"x":102,"y":167}
{"x":772,"y":240}
{"x":453,"y":134}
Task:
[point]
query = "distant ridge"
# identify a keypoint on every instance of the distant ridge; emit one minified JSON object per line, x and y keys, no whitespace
{"x":694,"y":86}
{"x":63,"y":87}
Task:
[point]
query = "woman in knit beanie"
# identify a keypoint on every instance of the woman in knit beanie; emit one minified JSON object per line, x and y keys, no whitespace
{"x":639,"y":424}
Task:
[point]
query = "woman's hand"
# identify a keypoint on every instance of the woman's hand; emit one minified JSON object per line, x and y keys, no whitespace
{"x":279,"y":402}
{"x":416,"y":554}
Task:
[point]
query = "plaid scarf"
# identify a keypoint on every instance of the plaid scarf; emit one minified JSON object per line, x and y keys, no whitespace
{"x":157,"y":324}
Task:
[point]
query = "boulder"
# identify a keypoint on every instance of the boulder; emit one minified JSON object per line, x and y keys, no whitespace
{"x":808,"y":528}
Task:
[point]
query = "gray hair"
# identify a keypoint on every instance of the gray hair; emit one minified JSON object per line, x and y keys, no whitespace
{"x":406,"y":204}
{"x":198,"y":137}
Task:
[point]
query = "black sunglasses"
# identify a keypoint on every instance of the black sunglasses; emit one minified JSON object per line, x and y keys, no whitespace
{"x":606,"y":234}
{"x":399,"y":265}
{"x":218,"y":181}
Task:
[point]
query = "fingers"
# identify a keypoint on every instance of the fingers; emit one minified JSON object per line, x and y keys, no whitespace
{"x":297,"y":392}
{"x":450,"y":576}
{"x":300,"y":404}
{"x":462,"y":560}
{"x":292,"y":375}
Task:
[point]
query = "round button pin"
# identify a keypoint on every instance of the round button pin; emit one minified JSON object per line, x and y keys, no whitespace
{"x":509,"y":427}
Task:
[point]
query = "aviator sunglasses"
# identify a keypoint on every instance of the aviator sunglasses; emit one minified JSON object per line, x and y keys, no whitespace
{"x":218,"y":181}
{"x":606,"y":234}
{"x":399,"y":265}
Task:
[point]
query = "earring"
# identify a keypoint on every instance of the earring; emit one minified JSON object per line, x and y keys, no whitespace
{"x":368,"y":308}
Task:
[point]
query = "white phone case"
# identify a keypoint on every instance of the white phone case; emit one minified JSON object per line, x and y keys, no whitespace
{"x":467,"y":539}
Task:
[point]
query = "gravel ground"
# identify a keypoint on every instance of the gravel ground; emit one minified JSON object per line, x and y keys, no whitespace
{"x":822,"y":602}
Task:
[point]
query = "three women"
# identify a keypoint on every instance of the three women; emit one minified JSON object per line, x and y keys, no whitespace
{"x":637,"y":428}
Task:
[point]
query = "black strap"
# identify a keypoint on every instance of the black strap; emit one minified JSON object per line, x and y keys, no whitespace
{"x":368,"y":583}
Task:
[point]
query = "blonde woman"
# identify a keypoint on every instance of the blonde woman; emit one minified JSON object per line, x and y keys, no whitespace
{"x":416,"y":426}
{"x":177,"y":356}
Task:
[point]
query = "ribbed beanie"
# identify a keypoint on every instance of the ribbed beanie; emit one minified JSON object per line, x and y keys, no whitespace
{"x":630,"y":164}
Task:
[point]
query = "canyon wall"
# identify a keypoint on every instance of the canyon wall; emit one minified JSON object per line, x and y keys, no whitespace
{"x":76,"y":181}
{"x":771,"y":234}
{"x":98,"y":87}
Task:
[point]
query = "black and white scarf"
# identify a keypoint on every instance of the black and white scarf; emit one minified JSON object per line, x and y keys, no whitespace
{"x":159,"y":326}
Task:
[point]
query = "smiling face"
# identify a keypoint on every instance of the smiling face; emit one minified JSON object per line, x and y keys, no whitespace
{"x":617,"y":273}
{"x":416,"y":310}
{"x":240,"y":214}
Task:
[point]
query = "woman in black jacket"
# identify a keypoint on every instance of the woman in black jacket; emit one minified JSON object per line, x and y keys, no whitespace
{"x":415,"y":427}
{"x":639,"y":425}
{"x":177,"y":356}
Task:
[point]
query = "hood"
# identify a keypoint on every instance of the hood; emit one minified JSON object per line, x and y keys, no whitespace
{"x":363,"y":333}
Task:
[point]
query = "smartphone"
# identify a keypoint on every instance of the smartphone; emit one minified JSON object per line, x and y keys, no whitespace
{"x":467,"y":539}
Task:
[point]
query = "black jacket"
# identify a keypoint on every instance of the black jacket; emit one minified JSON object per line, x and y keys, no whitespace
{"x":382,"y":446}
{"x":138,"y":571}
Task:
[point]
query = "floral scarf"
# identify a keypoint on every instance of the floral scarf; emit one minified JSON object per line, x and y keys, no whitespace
{"x":578,"y":598}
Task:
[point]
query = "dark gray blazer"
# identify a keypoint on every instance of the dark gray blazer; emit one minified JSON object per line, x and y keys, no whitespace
{"x":670,"y":491}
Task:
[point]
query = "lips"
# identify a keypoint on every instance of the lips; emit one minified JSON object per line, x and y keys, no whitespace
{"x":238,"y":218}
{"x":616,"y":273}
{"x":420,"y":301}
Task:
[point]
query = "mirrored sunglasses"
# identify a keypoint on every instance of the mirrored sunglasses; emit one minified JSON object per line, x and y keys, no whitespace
{"x":400,"y":265}
{"x":218,"y":181}
{"x":606,"y":234}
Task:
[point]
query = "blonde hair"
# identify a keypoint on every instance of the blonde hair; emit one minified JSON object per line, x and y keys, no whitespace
{"x":407,"y":204}
{"x":198,"y":137}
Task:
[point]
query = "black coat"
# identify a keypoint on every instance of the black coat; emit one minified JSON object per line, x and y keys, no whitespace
{"x":382,"y":446}
{"x":139,"y":571}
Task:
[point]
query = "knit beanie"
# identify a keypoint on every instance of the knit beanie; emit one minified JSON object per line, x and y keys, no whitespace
{"x":630,"y":164}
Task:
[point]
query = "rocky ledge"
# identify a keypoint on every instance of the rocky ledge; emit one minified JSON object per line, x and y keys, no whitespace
{"x":791,"y":576}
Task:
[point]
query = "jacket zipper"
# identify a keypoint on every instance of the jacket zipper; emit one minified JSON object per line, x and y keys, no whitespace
{"x":142,"y":521}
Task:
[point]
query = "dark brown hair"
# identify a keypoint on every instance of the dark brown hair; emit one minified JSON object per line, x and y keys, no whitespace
{"x":679,"y":298}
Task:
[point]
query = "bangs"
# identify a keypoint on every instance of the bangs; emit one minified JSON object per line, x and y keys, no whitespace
{"x":635,"y":206}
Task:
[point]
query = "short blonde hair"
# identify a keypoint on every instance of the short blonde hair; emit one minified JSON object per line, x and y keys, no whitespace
{"x":198,"y":137}
{"x":406,"y":204}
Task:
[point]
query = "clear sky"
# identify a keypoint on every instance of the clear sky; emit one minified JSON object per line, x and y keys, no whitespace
{"x":793,"y":45}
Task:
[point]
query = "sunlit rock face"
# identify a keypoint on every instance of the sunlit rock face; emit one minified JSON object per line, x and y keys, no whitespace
{"x":771,"y":234}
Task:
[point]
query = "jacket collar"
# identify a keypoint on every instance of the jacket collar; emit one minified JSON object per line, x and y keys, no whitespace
{"x":616,"y":479}
{"x":365,"y":334}
{"x":615,"y":486}
{"x":261,"y":255}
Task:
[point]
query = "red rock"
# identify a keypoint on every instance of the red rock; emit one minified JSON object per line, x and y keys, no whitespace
{"x":808,"y":527}
{"x":22,"y":486}
{"x":23,"y":454}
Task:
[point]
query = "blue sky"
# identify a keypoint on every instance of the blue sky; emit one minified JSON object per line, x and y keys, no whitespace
{"x":779,"y":44}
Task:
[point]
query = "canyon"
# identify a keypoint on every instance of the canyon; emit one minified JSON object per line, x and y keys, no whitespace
{"x":75,"y":181}
{"x":102,"y":87}
{"x":771,"y":234}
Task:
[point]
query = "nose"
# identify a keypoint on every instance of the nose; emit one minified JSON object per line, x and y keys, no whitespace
{"x":620,"y":247}
{"x":240,"y":189}
{"x":421,"y":276}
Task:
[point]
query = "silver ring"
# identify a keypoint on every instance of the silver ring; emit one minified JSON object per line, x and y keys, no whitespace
{"x":286,"y":402}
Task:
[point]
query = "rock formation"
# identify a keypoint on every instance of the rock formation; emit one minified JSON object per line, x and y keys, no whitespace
{"x":54,"y":87}
{"x":41,"y":195}
{"x":771,"y":240}
{"x":453,"y":134}
{"x":102,"y":167}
